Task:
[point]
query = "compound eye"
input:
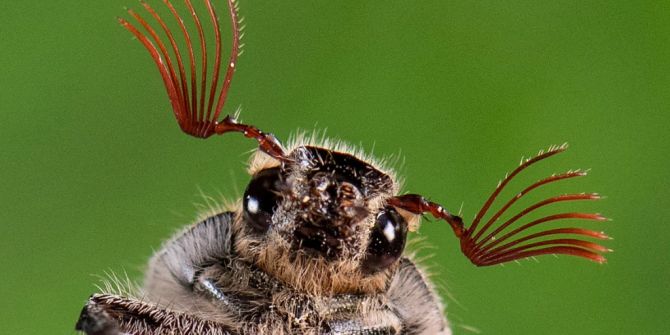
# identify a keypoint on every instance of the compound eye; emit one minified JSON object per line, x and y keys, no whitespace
{"x":387,"y":241}
{"x":260,"y":199}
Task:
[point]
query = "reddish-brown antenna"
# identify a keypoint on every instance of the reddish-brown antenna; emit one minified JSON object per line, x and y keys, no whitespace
{"x":484,"y":246}
{"x":197,"y":114}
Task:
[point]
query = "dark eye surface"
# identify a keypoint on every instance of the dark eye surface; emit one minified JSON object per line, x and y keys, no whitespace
{"x":260,"y":199}
{"x":387,"y":241}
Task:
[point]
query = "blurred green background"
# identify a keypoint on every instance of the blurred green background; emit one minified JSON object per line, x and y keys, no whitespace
{"x":95,"y":173}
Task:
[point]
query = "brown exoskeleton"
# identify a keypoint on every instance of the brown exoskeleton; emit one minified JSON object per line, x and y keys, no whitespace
{"x":316,"y":245}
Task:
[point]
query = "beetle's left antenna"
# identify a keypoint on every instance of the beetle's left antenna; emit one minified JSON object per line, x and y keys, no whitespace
{"x":197,"y":115}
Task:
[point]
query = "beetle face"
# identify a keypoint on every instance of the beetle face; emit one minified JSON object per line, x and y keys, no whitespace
{"x":326,"y":204}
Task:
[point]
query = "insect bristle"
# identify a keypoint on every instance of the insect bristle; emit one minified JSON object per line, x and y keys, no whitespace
{"x":195,"y":116}
{"x":196,"y":113}
{"x":483,"y":246}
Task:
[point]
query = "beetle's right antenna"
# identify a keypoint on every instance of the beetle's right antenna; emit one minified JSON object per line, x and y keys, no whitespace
{"x":491,"y":244}
{"x":194,"y":115}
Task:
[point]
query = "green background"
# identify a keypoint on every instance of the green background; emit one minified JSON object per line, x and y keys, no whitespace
{"x":94,"y":172}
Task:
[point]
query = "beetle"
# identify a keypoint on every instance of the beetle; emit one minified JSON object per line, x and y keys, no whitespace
{"x":316,"y":244}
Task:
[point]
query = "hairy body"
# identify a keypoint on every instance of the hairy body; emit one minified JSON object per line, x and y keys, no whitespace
{"x":203,"y":272}
{"x":222,"y":277}
{"x":198,"y":282}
